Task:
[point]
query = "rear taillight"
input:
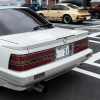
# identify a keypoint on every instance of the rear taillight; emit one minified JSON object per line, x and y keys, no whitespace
{"x":80,"y":45}
{"x":33,"y":60}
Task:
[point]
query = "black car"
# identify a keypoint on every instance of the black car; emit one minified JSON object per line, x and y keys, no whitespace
{"x":34,"y":6}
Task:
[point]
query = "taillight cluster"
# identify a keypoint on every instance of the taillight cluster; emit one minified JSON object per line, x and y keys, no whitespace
{"x":80,"y":45}
{"x":33,"y":60}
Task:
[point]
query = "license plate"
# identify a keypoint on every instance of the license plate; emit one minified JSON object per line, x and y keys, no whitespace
{"x":62,"y":51}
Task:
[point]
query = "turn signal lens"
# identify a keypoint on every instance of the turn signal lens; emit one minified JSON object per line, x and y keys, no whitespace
{"x":80,"y":45}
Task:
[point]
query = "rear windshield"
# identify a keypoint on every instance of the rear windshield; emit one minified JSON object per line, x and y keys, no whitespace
{"x":73,"y":6}
{"x":14,"y":21}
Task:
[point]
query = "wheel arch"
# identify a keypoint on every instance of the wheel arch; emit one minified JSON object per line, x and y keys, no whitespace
{"x":67,"y":15}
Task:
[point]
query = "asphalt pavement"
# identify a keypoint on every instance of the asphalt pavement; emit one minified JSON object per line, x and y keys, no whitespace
{"x":82,"y":83}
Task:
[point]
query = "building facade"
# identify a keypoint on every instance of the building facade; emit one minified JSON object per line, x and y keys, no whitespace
{"x":83,"y":3}
{"x":46,"y":2}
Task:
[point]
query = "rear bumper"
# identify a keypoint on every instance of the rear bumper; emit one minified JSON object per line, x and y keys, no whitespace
{"x":24,"y":80}
{"x":83,"y":18}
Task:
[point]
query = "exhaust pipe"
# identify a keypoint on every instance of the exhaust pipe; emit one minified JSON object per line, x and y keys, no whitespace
{"x":39,"y":87}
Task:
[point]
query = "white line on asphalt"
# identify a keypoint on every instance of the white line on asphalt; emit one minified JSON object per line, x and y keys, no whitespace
{"x":94,"y":41}
{"x":92,"y":74}
{"x":94,"y":34}
{"x":94,"y":26}
{"x":92,"y":60}
{"x":95,"y":37}
{"x":94,"y":64}
{"x":90,"y":27}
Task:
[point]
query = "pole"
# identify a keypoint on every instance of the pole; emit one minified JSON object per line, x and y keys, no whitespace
{"x":84,"y":3}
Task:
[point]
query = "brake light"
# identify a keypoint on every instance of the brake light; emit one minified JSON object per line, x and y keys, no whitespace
{"x":33,"y":60}
{"x":80,"y":45}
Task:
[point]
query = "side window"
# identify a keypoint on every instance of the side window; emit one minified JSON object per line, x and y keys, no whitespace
{"x":61,"y":7}
{"x":66,"y":8}
{"x":55,"y":7}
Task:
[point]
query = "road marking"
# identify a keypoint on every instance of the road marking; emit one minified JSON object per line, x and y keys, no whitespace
{"x":67,"y":25}
{"x":95,"y":75}
{"x":91,"y":26}
{"x":92,"y":59}
{"x":94,"y":35}
{"x":97,"y":42}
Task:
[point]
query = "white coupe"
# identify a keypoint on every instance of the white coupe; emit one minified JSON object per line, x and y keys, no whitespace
{"x":33,"y":50}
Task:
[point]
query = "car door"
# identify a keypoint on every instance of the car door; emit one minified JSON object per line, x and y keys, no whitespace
{"x":52,"y":13}
{"x":61,"y":11}
{"x":56,"y":12}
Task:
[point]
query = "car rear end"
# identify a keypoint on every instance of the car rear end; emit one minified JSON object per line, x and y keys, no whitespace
{"x":45,"y":61}
{"x":83,"y":15}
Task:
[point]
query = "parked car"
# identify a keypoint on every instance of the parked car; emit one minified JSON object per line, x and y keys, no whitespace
{"x":66,"y":12}
{"x":33,"y":50}
{"x":95,"y":10}
{"x":34,"y":6}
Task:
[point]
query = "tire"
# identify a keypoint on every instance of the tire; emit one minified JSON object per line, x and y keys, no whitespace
{"x":67,"y":19}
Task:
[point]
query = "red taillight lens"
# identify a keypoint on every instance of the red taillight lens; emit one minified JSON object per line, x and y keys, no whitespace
{"x":33,"y":60}
{"x":80,"y":45}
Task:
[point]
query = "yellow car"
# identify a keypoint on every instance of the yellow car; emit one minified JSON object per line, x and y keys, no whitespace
{"x":65,"y":12}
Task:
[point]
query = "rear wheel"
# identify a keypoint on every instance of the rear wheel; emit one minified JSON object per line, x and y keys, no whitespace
{"x":67,"y":19}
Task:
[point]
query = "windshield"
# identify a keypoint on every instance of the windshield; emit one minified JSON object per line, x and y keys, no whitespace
{"x":73,"y":6}
{"x":14,"y":21}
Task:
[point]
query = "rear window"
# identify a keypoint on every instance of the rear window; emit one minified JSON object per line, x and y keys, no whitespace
{"x":73,"y":6}
{"x":14,"y":21}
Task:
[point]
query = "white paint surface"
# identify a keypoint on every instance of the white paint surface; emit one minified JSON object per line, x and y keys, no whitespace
{"x":95,"y":75}
{"x":94,"y":58}
{"x":92,"y":41}
{"x":94,"y":35}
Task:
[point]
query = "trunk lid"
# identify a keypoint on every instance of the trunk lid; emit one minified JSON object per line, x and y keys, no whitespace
{"x":83,"y":11}
{"x":28,"y":40}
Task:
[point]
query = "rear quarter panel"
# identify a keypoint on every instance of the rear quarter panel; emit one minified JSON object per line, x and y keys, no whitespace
{"x":4,"y":57}
{"x":73,"y":14}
